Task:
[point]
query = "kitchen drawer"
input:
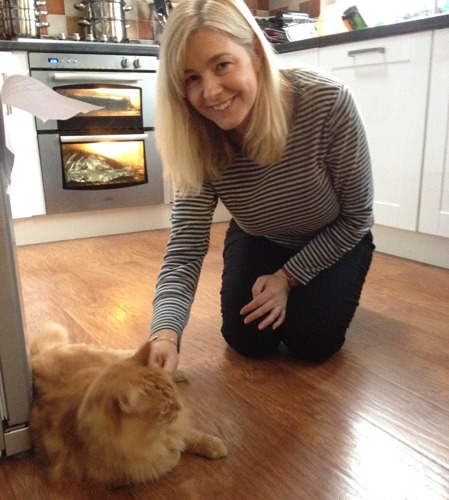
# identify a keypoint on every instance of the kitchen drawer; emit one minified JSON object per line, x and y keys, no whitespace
{"x":372,"y":52}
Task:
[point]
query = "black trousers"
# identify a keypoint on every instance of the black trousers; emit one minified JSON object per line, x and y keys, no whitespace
{"x":318,"y":314}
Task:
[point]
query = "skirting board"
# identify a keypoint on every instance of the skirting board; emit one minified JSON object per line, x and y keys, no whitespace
{"x":426,"y":248}
{"x":48,"y":228}
{"x":421,"y":247}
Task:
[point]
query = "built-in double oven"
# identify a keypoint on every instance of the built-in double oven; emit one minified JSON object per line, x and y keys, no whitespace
{"x":104,"y":158}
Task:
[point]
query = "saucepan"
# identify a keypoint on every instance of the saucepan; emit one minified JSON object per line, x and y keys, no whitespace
{"x":105,"y":30}
{"x":103,"y":9}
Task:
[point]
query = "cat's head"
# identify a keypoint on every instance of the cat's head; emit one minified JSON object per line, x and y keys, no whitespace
{"x":132,"y":396}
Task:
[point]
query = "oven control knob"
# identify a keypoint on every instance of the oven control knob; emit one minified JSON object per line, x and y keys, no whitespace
{"x":124,"y":62}
{"x":137,"y":63}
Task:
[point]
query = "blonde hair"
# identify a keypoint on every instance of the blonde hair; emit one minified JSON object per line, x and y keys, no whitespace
{"x":194,"y":149}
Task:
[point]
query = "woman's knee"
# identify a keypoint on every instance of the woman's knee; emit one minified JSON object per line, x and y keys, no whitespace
{"x":314,"y":345}
{"x":248,"y":341}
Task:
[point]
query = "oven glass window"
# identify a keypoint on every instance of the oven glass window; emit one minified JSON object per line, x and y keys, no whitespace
{"x":103,"y":165}
{"x":121,"y":107}
{"x":115,"y":100}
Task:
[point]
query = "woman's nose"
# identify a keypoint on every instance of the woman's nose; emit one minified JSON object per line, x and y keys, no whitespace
{"x":211,"y":86}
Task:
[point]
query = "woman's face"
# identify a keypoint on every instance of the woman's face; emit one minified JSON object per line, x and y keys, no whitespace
{"x":221,"y":79}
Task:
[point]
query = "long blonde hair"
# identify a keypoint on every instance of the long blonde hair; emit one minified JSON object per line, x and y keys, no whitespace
{"x":194,"y":149}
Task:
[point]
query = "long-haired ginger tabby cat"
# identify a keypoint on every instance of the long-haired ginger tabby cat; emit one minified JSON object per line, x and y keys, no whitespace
{"x":107,"y":416}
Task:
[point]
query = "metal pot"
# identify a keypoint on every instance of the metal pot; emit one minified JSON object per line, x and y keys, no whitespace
{"x":22,"y":27}
{"x":21,"y":4}
{"x":104,"y":20}
{"x":16,"y":12}
{"x":105,"y":30}
{"x":19,"y":18}
{"x":103,"y":9}
{"x":108,"y":10}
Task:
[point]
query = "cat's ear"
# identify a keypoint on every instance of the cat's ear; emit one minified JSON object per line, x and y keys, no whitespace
{"x":128,"y":400}
{"x":142,"y":356}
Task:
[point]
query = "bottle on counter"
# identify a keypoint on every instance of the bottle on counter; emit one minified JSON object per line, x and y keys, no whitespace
{"x":352,"y":19}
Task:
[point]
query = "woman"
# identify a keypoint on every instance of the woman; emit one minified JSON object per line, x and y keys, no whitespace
{"x":286,"y":153}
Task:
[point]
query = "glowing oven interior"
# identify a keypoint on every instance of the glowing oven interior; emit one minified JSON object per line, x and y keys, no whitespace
{"x":103,"y":165}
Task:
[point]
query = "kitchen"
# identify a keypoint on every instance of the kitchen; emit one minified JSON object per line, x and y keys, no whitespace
{"x":423,"y":236}
{"x":437,"y":307}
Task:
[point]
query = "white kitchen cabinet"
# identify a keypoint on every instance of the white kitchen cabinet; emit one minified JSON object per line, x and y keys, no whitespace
{"x":434,"y":211}
{"x":26,"y":191}
{"x":389,"y":78}
{"x":299,"y":58}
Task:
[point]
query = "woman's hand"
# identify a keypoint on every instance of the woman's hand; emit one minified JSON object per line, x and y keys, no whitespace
{"x":270,"y":295}
{"x":164,"y":350}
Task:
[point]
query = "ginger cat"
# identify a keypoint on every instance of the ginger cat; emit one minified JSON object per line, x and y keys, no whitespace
{"x":106,"y":416}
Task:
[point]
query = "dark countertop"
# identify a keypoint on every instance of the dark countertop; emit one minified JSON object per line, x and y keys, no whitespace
{"x":406,"y":27}
{"x":45,"y":45}
{"x":402,"y":28}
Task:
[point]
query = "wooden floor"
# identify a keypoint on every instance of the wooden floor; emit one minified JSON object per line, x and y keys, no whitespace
{"x":372,"y":423}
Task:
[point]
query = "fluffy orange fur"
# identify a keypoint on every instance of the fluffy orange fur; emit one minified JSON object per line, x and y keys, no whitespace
{"x":107,"y":416}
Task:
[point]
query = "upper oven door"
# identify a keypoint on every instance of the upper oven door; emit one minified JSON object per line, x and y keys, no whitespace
{"x":127,"y":99}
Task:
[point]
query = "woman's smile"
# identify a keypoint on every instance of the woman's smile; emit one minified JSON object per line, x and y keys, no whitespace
{"x":222,"y":107}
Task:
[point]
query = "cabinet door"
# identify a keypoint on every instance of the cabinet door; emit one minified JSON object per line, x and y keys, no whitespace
{"x":26,"y":190}
{"x":298,"y":58}
{"x":434,"y":213}
{"x":389,"y":78}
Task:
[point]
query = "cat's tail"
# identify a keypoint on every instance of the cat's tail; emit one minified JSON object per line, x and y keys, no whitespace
{"x":52,"y":335}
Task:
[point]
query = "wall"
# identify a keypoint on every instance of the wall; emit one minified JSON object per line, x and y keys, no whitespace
{"x":380,"y":12}
{"x":389,"y":11}
{"x":311,"y":7}
{"x":63,"y":17}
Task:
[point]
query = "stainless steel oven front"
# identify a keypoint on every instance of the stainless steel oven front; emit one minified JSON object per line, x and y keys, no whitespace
{"x":105,"y":158}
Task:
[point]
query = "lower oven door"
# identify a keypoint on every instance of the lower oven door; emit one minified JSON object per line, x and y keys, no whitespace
{"x":90,"y":172}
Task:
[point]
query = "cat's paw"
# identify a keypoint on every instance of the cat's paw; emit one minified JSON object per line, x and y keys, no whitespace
{"x":213,"y":447}
{"x":205,"y":444}
{"x":180,"y":374}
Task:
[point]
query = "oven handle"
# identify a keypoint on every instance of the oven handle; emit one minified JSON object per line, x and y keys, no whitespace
{"x":98,"y":138}
{"x":96,"y":77}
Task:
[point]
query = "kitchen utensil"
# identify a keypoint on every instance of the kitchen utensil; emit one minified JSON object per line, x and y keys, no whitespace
{"x":21,"y":18}
{"x":104,"y":20}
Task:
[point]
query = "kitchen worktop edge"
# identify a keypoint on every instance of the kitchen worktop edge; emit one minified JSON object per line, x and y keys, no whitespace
{"x":402,"y":28}
{"x":35,"y":45}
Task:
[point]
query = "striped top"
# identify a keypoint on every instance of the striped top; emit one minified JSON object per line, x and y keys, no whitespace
{"x":317,"y":199}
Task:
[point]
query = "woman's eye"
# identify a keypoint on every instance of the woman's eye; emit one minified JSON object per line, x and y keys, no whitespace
{"x":223,"y":65}
{"x":190,"y":79}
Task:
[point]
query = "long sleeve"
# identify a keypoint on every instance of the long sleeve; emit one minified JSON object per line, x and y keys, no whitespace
{"x":188,"y":244}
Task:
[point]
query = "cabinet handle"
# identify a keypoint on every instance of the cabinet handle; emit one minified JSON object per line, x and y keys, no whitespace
{"x":353,"y":53}
{"x":8,"y":106}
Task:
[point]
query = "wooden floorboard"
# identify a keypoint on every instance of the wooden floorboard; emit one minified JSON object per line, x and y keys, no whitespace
{"x":372,"y":423}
